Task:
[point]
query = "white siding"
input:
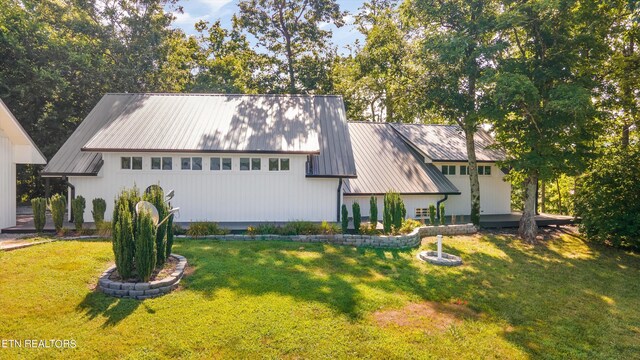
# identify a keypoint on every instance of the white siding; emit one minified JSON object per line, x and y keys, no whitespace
{"x":411,"y":203}
{"x":224,"y":196}
{"x":7,"y":183}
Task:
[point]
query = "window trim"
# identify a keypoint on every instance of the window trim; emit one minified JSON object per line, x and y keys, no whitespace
{"x":248,"y":164}
{"x":288,"y":164}
{"x":182,"y":163}
{"x":122,"y":162}
{"x":230,"y":164}
{"x":159,"y":163}
{"x":141,"y":162}
{"x":193,"y":162}
{"x":170,"y":163}
{"x":211,"y":161}
{"x":259,"y":164}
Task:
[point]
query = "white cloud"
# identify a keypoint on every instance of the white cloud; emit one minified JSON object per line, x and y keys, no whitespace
{"x":215,"y":5}
{"x":187,"y":19}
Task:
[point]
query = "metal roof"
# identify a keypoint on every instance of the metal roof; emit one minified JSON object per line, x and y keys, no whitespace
{"x":385,"y":162}
{"x":29,"y":152}
{"x":210,"y":123}
{"x":447,"y":142}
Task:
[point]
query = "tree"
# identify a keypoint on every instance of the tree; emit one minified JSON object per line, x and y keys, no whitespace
{"x":459,"y":44}
{"x":290,"y":32}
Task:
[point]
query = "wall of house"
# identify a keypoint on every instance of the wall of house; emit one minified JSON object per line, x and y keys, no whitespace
{"x":223,"y":196}
{"x":7,"y":183}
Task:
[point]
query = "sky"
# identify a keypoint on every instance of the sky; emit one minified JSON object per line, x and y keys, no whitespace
{"x":212,"y":10}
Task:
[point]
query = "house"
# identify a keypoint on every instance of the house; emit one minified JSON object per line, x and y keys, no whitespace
{"x":261,"y":158}
{"x":16,"y":147}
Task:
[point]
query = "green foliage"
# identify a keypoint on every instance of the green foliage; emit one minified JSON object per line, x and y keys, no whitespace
{"x":39,"y":207}
{"x":408,"y":226}
{"x":123,"y":239}
{"x":327,"y":228}
{"x":394,"y":212}
{"x":608,"y":199}
{"x":145,"y":254}
{"x":104,"y":229}
{"x":373,"y":210}
{"x":99,"y":208}
{"x":344,"y":219}
{"x":170,"y":234}
{"x":77,"y":209}
{"x":156,"y":197}
{"x":202,"y":228}
{"x":369,"y":229}
{"x":432,"y":214}
{"x":57,"y":206}
{"x":294,"y":228}
{"x":357,"y":218}
{"x":442,"y":214}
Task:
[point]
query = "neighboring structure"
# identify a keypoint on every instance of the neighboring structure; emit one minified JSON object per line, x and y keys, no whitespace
{"x":254,"y":158}
{"x":16,"y":147}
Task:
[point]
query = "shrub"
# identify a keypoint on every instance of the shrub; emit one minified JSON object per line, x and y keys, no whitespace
{"x":99,"y":208}
{"x":57,"y":205}
{"x":145,"y":255}
{"x":104,"y":229}
{"x":123,"y":239}
{"x":39,"y":206}
{"x":177,"y":229}
{"x":432,"y":214}
{"x":442,"y":214}
{"x":369,"y":229}
{"x":408,"y":226}
{"x":345,"y":219}
{"x":156,"y":197}
{"x":394,"y":211}
{"x":373,"y":210}
{"x":202,"y":228}
{"x":327,"y":228}
{"x":170,"y":228}
{"x":77,"y":209}
{"x":357,"y":218}
{"x":266,"y":229}
{"x":300,"y":228}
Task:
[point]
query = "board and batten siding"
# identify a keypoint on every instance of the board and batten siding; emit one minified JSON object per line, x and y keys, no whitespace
{"x":222,"y":195}
{"x":7,"y":183}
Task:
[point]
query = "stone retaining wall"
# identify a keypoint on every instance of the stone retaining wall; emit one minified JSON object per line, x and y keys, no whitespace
{"x":142,"y":290}
{"x":410,"y":240}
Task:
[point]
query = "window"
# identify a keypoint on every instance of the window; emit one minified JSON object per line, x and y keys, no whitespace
{"x":256,"y":163}
{"x":185,"y":163}
{"x":215,"y":163}
{"x":484,"y":170}
{"x":278,"y":164}
{"x":464,"y":170}
{"x":284,"y":164}
{"x":226,"y":164}
{"x":244,"y":164}
{"x":136,"y":163}
{"x":196,"y":163}
{"x":167,"y":163}
{"x":273,"y":164}
{"x":125,"y":163}
{"x":422,"y":213}
{"x":156,"y":163}
{"x":449,"y":169}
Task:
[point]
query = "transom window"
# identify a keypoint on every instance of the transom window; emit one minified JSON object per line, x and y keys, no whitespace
{"x":256,"y":163}
{"x":276,"y":164}
{"x":156,"y":163}
{"x":226,"y":164}
{"x":214,"y":163}
{"x":484,"y":170}
{"x":464,"y":170}
{"x":191,"y":163}
{"x":449,"y":169}
{"x":131,"y":163}
{"x":167,"y":163}
{"x":250,"y":163}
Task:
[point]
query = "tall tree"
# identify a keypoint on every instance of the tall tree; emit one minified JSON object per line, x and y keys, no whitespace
{"x":290,"y":32}
{"x":459,"y":44}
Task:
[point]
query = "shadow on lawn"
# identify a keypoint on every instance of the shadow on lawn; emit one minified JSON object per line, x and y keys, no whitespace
{"x":113,"y":309}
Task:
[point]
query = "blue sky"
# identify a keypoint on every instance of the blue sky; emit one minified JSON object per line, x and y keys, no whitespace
{"x":212,"y":10}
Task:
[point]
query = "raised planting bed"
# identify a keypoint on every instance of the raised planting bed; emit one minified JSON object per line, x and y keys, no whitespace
{"x":162,"y":281}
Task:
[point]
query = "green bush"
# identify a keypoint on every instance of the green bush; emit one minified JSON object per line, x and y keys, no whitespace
{"x":300,"y":228}
{"x":368,"y":229}
{"x":77,"y":209}
{"x":123,"y":239}
{"x":170,"y":234}
{"x":373,"y":210}
{"x":39,"y":206}
{"x":202,"y":228}
{"x":156,"y":197}
{"x":145,"y":255}
{"x":608,"y":199}
{"x":178,"y":229}
{"x":408,"y":226}
{"x":345,"y":219}
{"x":442,"y":214}
{"x":327,"y":228}
{"x":394,"y":212}
{"x":357,"y":218}
{"x":432,"y":214}
{"x":99,"y":208}
{"x":57,"y":205}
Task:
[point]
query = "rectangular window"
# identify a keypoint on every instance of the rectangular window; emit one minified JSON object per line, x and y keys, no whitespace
{"x":215,"y":163}
{"x":487,"y":170}
{"x":256,"y":163}
{"x":125,"y":163}
{"x":167,"y":163}
{"x":284,"y":164}
{"x":156,"y":163}
{"x":244,"y":164}
{"x":185,"y":163}
{"x":480,"y":170}
{"x":464,"y":170}
{"x":448,"y":169}
{"x":196,"y":163}
{"x":136,"y":163}
{"x":273,"y":164}
{"x":226,"y":164}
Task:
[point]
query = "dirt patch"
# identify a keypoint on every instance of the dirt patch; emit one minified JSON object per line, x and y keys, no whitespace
{"x":426,"y":316}
{"x":158,"y":274}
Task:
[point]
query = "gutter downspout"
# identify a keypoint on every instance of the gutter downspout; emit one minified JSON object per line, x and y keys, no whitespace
{"x":338,"y":198}
{"x":438,"y":205}
{"x":72,"y":196}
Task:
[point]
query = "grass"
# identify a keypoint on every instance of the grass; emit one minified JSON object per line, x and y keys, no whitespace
{"x":563,"y":299}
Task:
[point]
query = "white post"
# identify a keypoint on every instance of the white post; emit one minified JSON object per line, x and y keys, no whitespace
{"x":439,"y":247}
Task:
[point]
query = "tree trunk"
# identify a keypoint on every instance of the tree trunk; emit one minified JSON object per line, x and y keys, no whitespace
{"x":528,"y":228}
{"x":543,"y":197}
{"x":473,"y":175}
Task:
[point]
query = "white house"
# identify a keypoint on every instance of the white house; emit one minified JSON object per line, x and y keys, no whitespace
{"x":16,"y":147}
{"x":260,"y":158}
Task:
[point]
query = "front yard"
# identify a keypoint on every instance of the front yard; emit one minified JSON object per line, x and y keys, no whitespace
{"x":564,"y":299}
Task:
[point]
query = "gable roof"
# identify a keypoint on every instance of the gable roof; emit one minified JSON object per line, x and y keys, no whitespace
{"x":291,"y":124}
{"x":385,"y":162}
{"x":26,"y":151}
{"x":447,"y":142}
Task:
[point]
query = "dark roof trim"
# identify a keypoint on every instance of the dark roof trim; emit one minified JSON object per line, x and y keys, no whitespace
{"x":182,"y":151}
{"x":52,"y":175}
{"x":350,"y":176}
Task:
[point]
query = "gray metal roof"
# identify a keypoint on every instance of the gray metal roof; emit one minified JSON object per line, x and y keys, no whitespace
{"x":385,"y":162}
{"x":447,"y":142}
{"x":210,"y":123}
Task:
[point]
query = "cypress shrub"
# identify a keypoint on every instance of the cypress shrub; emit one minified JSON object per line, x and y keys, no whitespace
{"x":357,"y":218}
{"x":442,"y":214}
{"x":39,"y":207}
{"x":156,"y":197}
{"x":123,"y":239}
{"x":432,"y":214}
{"x":394,"y":211}
{"x":387,"y":213}
{"x":169,"y":237}
{"x":145,"y":255}
{"x":99,"y":208}
{"x":57,"y":205}
{"x":345,"y":218}
{"x":373,"y":210}
{"x":77,"y":209}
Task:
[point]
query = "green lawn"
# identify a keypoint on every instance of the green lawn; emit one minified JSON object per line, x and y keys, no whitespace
{"x":565,"y":299}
